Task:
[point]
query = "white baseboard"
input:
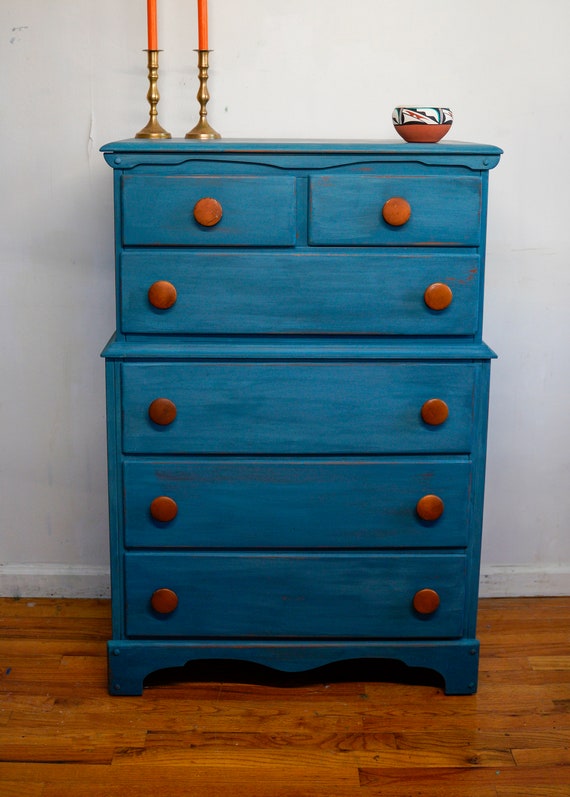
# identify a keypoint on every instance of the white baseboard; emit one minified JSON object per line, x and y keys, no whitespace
{"x":502,"y":581}
{"x":54,"y":581}
{"x":76,"y":581}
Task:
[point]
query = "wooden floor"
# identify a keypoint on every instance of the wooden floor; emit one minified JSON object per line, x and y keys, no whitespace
{"x":248,"y":732}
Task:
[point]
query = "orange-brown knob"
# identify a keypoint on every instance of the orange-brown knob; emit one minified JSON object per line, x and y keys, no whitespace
{"x":430,"y":507}
{"x":396,"y":211}
{"x":207,"y":211}
{"x":164,"y":601}
{"x":162,"y":294}
{"x":426,"y":601}
{"x":438,"y":296}
{"x":435,"y":411}
{"x":162,"y":411}
{"x":164,"y":509}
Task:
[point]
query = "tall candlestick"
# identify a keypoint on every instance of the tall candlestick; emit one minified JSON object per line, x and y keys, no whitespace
{"x":152,"y":26}
{"x":153,"y":129}
{"x":202,"y":24}
{"x":203,"y":129}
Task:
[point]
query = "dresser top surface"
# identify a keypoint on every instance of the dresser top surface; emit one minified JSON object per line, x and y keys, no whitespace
{"x":480,"y":156}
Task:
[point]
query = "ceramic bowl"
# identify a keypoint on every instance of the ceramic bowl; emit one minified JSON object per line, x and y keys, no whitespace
{"x":422,"y":125}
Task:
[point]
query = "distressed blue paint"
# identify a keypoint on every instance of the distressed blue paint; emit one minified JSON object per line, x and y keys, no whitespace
{"x":299,"y":352}
{"x":297,"y":408}
{"x":302,"y":595}
{"x":302,"y":293}
{"x":346,"y":210}
{"x":280,"y":503}
{"x":257,"y":211}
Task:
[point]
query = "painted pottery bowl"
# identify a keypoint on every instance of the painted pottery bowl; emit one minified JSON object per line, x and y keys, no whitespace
{"x":422,"y":125}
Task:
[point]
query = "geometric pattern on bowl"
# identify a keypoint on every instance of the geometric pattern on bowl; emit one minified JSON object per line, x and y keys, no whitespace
{"x":422,"y":125}
{"x":413,"y":115}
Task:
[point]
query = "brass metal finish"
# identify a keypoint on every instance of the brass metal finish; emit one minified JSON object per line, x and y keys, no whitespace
{"x":153,"y":129}
{"x":203,"y":129}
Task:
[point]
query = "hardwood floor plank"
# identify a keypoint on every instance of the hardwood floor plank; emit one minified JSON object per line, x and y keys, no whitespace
{"x":247,"y":741}
{"x":549,"y":663}
{"x":312,"y":759}
{"x":534,"y":791}
{"x":15,"y":789}
{"x":542,"y":756}
{"x":27,"y":648}
{"x":478,"y":782}
{"x":205,"y":786}
{"x":59,"y":628}
{"x":29,"y":609}
{"x":175,"y":781}
{"x":62,"y":750}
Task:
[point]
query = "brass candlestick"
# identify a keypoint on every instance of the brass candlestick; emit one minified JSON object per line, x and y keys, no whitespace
{"x":153,"y":129}
{"x":203,"y":129}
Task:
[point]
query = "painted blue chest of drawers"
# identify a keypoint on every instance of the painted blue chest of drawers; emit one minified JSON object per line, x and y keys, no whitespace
{"x":297,"y":404}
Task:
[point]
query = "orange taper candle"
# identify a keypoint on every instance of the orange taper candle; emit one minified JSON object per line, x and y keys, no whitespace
{"x":152,"y":27}
{"x":202,"y":24}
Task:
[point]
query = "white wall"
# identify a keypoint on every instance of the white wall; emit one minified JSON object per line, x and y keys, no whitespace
{"x":74,"y":77}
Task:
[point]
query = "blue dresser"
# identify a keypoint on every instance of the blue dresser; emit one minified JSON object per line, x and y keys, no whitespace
{"x":297,"y":398}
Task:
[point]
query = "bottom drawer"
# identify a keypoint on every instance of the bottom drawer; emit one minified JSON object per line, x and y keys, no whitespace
{"x":333,"y":595}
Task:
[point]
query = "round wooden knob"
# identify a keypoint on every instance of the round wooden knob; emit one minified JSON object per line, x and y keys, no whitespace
{"x":426,"y":601}
{"x":207,"y":211}
{"x":396,"y":211}
{"x":162,"y":411}
{"x":162,"y":294}
{"x":164,"y":601}
{"x":430,"y":507}
{"x":435,"y":411}
{"x":163,"y":509}
{"x":438,"y":296}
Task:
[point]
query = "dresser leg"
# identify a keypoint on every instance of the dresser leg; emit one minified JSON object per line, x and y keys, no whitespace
{"x":125,"y":674}
{"x":461,"y":671}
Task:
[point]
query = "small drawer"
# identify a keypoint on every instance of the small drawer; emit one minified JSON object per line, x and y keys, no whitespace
{"x":258,"y":293}
{"x":353,"y":210}
{"x":177,"y":211}
{"x":270,"y":503}
{"x":301,"y":595}
{"x":314,"y":407}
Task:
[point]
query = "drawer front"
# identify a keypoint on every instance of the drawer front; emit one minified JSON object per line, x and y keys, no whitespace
{"x":268,"y":503}
{"x":294,"y":595}
{"x":296,"y":408}
{"x":256,"y":211}
{"x":445,"y":211}
{"x":306,"y":294}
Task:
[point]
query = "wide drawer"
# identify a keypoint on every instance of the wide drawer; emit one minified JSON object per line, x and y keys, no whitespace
{"x":256,"y":293}
{"x":445,"y":211}
{"x":295,"y":408}
{"x":256,"y":211}
{"x":292,"y":503}
{"x":348,"y":595}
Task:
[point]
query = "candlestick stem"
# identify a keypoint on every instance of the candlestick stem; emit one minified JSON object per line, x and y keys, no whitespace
{"x":203,"y":128}
{"x":153,"y":129}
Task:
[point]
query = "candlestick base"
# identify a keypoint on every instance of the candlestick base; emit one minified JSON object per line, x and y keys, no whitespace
{"x":203,"y":130}
{"x":153,"y":129}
